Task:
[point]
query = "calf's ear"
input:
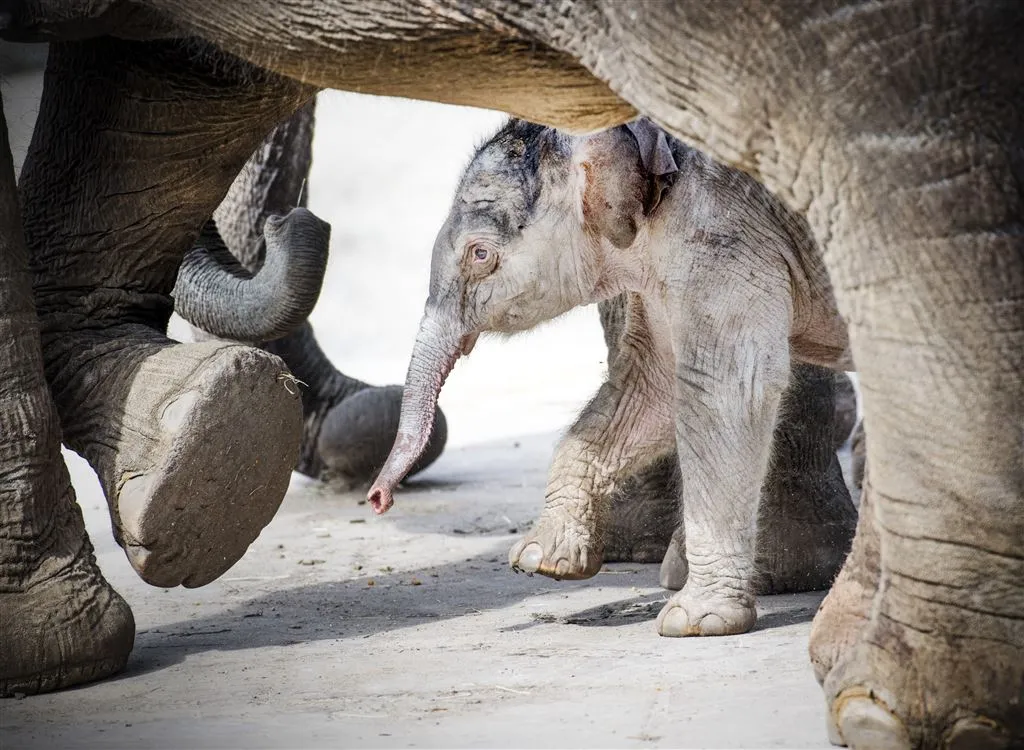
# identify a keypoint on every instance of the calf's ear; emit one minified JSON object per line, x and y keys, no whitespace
{"x":621,"y":176}
{"x":657,"y":158}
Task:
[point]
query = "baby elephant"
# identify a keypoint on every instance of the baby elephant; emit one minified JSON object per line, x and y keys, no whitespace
{"x":725,"y":291}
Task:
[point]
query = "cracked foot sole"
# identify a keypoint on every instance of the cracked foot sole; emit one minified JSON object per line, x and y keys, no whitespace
{"x":227,"y":439}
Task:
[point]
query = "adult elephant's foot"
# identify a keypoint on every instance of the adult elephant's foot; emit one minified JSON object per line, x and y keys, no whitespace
{"x":886,"y":663}
{"x":560,"y":547}
{"x":348,"y":426}
{"x":193,"y":444}
{"x":696,"y":611}
{"x":65,"y":625}
{"x":844,"y":613}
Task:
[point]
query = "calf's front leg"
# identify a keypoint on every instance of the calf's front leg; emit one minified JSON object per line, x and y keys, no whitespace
{"x":627,"y":424}
{"x":732,"y":368}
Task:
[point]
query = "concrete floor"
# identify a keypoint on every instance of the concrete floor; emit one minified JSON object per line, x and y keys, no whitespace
{"x":339,"y":629}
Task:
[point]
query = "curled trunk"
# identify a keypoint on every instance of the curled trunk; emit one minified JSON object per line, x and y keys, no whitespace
{"x":218,"y":294}
{"x":434,"y":354}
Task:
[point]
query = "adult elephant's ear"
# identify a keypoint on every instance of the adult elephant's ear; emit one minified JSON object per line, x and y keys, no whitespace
{"x":216,"y":293}
{"x":657,"y":158}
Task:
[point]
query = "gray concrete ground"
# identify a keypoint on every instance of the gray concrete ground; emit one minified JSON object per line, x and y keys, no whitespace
{"x":339,"y":629}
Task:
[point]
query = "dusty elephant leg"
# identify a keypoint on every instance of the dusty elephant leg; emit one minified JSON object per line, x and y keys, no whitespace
{"x":626,"y":425}
{"x":937,"y":329}
{"x":193,"y":444}
{"x":348,"y":426}
{"x":806,"y":520}
{"x":61,"y":623}
{"x":644,"y":512}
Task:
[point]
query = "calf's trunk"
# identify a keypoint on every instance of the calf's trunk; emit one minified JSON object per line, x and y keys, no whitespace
{"x":437,"y":348}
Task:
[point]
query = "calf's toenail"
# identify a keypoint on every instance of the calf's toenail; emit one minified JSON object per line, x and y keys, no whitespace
{"x":531,"y":557}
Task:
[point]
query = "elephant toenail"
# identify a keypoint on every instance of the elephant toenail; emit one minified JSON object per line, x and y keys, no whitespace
{"x":712,"y":624}
{"x":673,"y":622}
{"x":531,"y":558}
{"x":562,"y":567}
{"x":865,"y":722}
{"x":976,"y":733}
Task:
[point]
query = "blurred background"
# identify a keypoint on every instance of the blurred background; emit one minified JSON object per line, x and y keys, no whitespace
{"x":384,"y":173}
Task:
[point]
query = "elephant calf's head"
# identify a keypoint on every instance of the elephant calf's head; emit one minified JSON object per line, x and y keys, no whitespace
{"x":531,"y":234}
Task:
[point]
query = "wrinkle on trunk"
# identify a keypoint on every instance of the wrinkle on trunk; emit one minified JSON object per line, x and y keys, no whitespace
{"x":216,"y":293}
{"x":437,"y":348}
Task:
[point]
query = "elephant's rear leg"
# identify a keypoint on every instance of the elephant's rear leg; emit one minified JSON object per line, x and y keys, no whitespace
{"x":348,"y":426}
{"x":193,"y":444}
{"x":61,"y":622}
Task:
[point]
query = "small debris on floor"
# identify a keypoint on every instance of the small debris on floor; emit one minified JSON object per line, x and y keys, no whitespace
{"x":310,"y":561}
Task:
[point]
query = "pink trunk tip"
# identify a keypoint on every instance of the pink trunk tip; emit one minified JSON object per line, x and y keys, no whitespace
{"x":380,"y":499}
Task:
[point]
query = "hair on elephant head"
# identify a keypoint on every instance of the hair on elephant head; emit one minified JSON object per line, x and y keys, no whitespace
{"x":522,"y":244}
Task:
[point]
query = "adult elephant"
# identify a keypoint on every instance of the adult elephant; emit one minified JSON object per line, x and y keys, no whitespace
{"x":895,"y":128}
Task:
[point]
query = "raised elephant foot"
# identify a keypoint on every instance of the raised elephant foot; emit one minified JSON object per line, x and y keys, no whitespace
{"x":220,"y":433}
{"x":62,"y":623}
{"x":193,"y":444}
{"x":348,"y":426}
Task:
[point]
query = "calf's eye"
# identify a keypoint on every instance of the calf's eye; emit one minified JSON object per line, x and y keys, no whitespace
{"x":480,"y":253}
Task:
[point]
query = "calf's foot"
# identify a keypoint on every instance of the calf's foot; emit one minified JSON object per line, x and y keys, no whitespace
{"x":695,"y":611}
{"x":560,"y":547}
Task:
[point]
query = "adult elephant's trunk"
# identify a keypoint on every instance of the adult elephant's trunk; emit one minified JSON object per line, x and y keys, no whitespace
{"x":216,"y":293}
{"x":437,"y":348}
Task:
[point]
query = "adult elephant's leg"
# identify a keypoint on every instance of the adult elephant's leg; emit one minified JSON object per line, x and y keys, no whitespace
{"x":345,"y":435}
{"x":61,"y":622}
{"x":928,"y":266}
{"x":193,"y":444}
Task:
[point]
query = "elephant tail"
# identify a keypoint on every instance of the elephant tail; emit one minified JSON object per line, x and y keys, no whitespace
{"x":216,"y":293}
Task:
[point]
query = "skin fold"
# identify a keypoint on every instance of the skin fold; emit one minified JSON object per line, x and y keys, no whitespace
{"x":892,"y":128}
{"x":723,"y":287}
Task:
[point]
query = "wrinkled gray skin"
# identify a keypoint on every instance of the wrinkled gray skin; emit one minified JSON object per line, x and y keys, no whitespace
{"x":724,"y":289}
{"x":894,"y":128}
